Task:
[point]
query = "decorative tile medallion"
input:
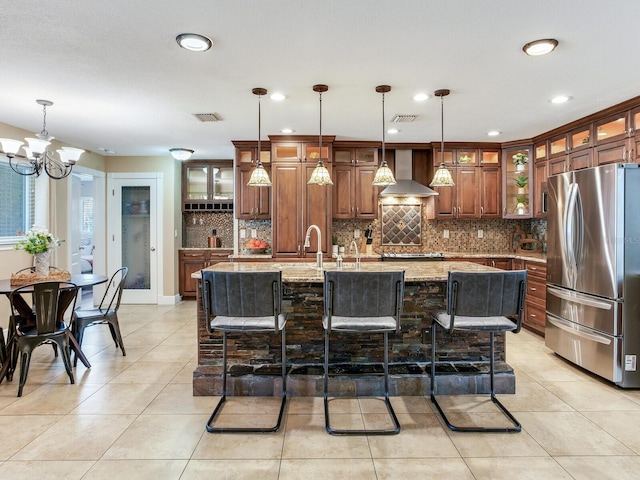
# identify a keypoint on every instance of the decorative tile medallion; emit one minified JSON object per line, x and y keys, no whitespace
{"x":402,"y":224}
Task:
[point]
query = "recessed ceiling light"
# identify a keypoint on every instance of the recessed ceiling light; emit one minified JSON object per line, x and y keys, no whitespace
{"x":194,"y":42}
{"x":540,"y":47}
{"x":105,"y":150}
{"x":420,"y":97}
{"x":560,"y":99}
{"x":393,"y":131}
{"x":287,"y":130}
{"x":278,"y":97}
{"x":494,"y":133}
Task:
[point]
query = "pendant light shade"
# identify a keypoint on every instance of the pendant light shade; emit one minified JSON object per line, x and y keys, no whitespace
{"x":259,"y":176}
{"x":320,"y":175}
{"x":384,"y":176}
{"x":442,"y":177}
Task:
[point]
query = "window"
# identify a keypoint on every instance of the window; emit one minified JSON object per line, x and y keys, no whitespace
{"x":18,"y":197}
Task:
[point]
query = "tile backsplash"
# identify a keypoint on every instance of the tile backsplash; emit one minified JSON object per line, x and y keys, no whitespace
{"x":463,"y":234}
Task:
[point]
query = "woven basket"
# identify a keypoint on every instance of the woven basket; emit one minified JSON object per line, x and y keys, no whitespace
{"x":25,"y":278}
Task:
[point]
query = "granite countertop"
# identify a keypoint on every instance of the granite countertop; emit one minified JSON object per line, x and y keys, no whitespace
{"x":307,"y":272}
{"x":216,"y":249}
{"x":535,"y":257}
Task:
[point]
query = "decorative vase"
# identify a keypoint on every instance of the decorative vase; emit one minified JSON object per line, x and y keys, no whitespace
{"x":520,"y":190}
{"x":520,"y":168}
{"x":41,"y":263}
{"x":334,"y":250}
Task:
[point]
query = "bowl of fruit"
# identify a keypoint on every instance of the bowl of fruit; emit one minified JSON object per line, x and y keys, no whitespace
{"x":255,"y":246}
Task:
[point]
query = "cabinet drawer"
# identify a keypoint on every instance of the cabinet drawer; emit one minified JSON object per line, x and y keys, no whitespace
{"x":536,"y":270}
{"x":534,"y":317}
{"x":536,"y":289}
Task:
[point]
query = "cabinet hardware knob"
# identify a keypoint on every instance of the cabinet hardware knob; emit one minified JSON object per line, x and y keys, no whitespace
{"x":153,"y":249}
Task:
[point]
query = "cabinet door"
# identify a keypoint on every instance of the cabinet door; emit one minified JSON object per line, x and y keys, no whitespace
{"x":491,"y":192}
{"x":611,"y":129}
{"x":467,"y":186}
{"x":540,"y":151}
{"x":287,"y":209}
{"x":344,"y":156}
{"x":251,"y":202}
{"x":557,"y":165}
{"x":539,"y":184}
{"x":580,"y":159}
{"x":467,"y":157}
{"x":286,"y":152}
{"x":366,"y":156}
{"x":444,"y":203}
{"x":611,"y":152}
{"x":311,"y":152}
{"x":343,"y":191}
{"x":449,"y":159}
{"x":190,"y":262}
{"x":317,"y":211}
{"x":490,"y":157}
{"x":366,"y":195}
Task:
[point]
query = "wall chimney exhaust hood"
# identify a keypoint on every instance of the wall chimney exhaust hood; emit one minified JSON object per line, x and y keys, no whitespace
{"x":405,"y":186}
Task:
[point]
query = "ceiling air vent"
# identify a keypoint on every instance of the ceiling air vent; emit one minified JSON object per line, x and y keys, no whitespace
{"x":403,"y":118}
{"x":207,"y":117}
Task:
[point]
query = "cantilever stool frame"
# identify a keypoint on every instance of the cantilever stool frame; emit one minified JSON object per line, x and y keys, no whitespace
{"x":362,"y":302}
{"x":244,"y":302}
{"x":481,"y":302}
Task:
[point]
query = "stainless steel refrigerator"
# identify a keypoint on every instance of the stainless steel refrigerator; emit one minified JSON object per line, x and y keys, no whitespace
{"x":593,"y":270}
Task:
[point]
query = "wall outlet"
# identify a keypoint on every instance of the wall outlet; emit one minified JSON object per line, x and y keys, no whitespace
{"x":254,"y":233}
{"x":480,"y":234}
{"x":445,"y":234}
{"x":356,"y":233}
{"x":243,"y":233}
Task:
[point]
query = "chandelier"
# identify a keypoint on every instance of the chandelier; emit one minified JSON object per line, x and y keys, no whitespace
{"x":36,"y":157}
{"x":259,"y":176}
{"x":320,"y":174}
{"x":384,"y":176}
{"x":442,"y":177}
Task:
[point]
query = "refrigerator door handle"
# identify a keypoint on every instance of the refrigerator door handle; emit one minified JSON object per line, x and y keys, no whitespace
{"x":571,"y":328}
{"x":578,"y":298}
{"x":570,"y":233}
{"x":580,"y":227}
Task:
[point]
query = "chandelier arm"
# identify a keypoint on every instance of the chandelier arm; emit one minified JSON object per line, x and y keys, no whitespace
{"x":29,"y":166}
{"x":53,"y":166}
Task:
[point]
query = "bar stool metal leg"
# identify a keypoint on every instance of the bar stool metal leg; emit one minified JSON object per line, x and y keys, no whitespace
{"x":333,"y":431}
{"x":210,"y":423}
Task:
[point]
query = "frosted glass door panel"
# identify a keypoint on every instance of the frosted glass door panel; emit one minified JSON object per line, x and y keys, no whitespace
{"x":136,"y":237}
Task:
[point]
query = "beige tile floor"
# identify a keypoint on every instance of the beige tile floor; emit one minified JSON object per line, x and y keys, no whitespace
{"x":135,"y":417}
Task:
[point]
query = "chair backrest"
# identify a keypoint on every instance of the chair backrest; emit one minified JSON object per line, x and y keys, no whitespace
{"x":363,"y":294}
{"x":242,"y":294}
{"x":487,"y":294}
{"x":50,"y":300}
{"x":114,"y":290}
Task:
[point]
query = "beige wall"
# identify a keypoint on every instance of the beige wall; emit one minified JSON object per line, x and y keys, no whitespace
{"x":171,"y":216}
{"x":56,"y":215}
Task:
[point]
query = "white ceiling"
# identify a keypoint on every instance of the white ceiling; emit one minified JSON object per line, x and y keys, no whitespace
{"x":119,"y":80}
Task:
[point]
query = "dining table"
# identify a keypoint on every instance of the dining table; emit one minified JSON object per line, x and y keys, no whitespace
{"x":81,"y":280}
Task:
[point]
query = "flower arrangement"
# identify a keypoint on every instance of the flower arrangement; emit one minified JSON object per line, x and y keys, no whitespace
{"x":520,"y":158}
{"x":37,"y":240}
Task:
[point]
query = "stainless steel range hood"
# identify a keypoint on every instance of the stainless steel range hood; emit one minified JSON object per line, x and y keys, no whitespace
{"x":405,"y":186}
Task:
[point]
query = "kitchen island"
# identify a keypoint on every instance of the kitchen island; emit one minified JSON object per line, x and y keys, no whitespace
{"x":254,"y":358}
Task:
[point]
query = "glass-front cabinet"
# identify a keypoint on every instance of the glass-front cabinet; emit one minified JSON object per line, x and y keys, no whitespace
{"x":207,"y":185}
{"x":517,"y":179}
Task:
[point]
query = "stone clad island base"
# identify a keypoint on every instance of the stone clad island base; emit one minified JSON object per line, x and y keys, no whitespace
{"x":254,"y":360}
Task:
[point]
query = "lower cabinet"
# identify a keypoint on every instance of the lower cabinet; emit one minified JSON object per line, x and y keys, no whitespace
{"x":536,"y":300}
{"x":192,"y":260}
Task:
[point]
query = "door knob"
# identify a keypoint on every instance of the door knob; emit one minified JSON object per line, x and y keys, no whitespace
{"x":153,"y":249}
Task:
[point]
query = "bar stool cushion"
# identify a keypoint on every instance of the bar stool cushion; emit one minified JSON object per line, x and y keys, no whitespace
{"x":360,"y":324}
{"x":247,"y":323}
{"x":476,"y":323}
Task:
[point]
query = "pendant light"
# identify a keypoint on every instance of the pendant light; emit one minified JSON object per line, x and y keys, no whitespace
{"x":320,"y":174}
{"x":259,"y":176}
{"x":442,"y":178}
{"x":384,"y":176}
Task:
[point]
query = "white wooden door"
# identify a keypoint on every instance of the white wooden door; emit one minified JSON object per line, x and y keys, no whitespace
{"x":134,"y":224}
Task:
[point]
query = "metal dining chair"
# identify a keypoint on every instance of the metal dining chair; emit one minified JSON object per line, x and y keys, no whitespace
{"x":50,"y":300}
{"x":357,"y":303}
{"x":105,"y":313}
{"x":480,"y":302}
{"x":244,"y":302}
